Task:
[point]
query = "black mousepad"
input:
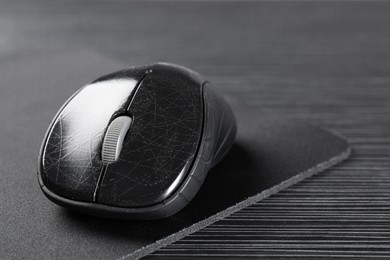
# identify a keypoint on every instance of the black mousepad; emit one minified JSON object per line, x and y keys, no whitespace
{"x":270,"y":154}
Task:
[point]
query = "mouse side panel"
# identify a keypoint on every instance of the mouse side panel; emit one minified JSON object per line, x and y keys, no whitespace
{"x":225,"y":128}
{"x":219,"y":131}
{"x":161,"y":145}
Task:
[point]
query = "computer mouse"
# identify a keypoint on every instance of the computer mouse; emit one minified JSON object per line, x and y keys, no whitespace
{"x":135,"y":144}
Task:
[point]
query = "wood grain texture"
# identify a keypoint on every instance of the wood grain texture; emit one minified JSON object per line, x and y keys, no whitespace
{"x":338,"y":77}
{"x":325,"y":62}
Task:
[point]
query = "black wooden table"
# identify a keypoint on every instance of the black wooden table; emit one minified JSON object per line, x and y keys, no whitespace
{"x":324,"y":62}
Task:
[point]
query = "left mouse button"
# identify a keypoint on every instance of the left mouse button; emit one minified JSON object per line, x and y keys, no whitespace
{"x":114,"y":137}
{"x":70,"y":162}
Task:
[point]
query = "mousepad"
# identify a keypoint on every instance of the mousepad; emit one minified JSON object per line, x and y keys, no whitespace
{"x":270,"y":153}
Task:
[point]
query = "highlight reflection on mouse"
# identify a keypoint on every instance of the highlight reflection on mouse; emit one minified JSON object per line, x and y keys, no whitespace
{"x":135,"y":144}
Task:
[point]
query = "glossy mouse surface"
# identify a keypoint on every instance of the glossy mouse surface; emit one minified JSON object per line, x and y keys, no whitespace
{"x":135,"y":144}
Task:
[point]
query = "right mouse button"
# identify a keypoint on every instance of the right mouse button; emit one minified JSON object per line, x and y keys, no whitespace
{"x":162,"y":142}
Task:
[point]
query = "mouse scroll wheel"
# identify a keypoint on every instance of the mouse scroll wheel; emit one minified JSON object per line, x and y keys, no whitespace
{"x":113,"y":140}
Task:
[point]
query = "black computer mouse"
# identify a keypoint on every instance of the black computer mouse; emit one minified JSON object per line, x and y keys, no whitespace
{"x":135,"y":144}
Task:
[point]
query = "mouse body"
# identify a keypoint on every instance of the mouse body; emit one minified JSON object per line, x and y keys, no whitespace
{"x":135,"y":144}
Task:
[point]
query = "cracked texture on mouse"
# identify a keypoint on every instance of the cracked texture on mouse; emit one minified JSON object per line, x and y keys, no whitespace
{"x":71,"y":159}
{"x":161,"y":143}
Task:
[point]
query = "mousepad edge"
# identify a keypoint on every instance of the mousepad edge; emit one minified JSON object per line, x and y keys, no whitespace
{"x":144,"y":251}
